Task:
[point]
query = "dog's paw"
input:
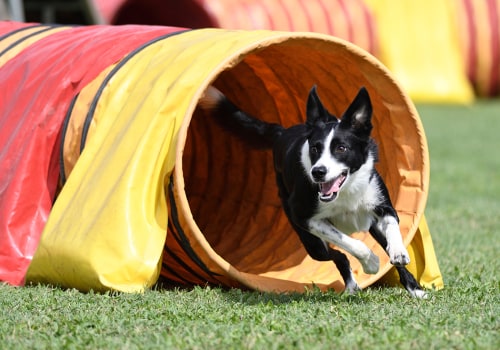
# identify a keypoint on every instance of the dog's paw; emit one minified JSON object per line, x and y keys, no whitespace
{"x":351,"y":287}
{"x":398,"y":257}
{"x":371,"y":264}
{"x":419,"y":294}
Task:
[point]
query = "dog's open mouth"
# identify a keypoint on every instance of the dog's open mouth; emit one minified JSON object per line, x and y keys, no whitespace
{"x":329,"y":190}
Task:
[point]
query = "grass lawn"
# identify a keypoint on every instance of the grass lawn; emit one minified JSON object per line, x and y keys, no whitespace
{"x":463,"y":215}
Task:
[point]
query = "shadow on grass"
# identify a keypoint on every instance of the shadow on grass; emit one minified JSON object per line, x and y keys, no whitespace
{"x":314,"y":295}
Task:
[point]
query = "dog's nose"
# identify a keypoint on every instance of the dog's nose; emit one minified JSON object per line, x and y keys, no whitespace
{"x":319,"y":172}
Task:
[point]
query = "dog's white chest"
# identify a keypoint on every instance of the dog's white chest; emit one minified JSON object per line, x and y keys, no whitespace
{"x":352,"y":221}
{"x":350,"y":212}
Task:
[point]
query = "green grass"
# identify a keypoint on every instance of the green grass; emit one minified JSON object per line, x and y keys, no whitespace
{"x":463,"y":215}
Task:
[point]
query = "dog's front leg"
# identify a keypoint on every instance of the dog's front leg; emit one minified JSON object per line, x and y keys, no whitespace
{"x":389,"y":227}
{"x":387,"y":230}
{"x":326,"y":231}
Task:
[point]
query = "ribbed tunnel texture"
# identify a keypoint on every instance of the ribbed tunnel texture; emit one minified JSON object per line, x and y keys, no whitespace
{"x":231,"y":188}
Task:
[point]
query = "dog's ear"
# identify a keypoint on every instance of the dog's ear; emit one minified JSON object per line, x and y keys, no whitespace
{"x":315,"y":111}
{"x":359,"y":114}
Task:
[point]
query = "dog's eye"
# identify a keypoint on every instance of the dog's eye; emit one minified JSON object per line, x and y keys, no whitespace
{"x":340,"y":149}
{"x":314,"y":149}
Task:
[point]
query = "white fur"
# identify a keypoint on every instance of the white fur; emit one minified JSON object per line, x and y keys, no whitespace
{"x":352,"y":210}
{"x":326,"y":159}
{"x":210,"y":98}
{"x":351,"y":286}
{"x":327,"y":232}
{"x":305,"y":159}
{"x":395,"y":246}
{"x":420,"y":294}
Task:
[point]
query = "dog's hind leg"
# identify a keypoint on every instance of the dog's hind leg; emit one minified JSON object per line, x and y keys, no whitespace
{"x":405,"y":277}
{"x":344,"y":267}
{"x":410,"y":283}
{"x":321,"y":251}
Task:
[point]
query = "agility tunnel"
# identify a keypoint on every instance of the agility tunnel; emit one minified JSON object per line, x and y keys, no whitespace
{"x":347,"y":19}
{"x":478,"y":26}
{"x":111,"y":175}
{"x":438,"y":51}
{"x":419,"y":43}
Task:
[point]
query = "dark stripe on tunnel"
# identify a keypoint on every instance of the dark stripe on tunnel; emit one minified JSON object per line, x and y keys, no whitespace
{"x":62,"y":171}
{"x":179,"y":234}
{"x":183,"y":265}
{"x":15,"y":31}
{"x":93,"y":105}
{"x":19,"y":41}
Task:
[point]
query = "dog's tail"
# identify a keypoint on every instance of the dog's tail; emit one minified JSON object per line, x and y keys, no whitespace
{"x":254,"y":132}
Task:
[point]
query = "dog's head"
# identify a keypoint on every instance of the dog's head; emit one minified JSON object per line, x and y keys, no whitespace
{"x":335,"y":149}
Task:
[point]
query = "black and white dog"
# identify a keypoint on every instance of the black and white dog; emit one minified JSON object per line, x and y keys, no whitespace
{"x":327,"y":181}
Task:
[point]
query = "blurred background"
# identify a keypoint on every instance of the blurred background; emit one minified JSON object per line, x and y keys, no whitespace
{"x":445,"y":51}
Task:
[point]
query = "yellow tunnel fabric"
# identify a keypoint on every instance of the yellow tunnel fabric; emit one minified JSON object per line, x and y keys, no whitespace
{"x":419,"y":43}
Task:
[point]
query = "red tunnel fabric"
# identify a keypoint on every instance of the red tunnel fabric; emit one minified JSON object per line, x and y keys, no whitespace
{"x":8,"y":27}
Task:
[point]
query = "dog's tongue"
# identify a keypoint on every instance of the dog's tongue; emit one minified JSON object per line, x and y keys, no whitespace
{"x":330,"y":187}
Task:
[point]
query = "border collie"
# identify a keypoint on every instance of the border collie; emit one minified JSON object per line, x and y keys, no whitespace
{"x":327,"y":181}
